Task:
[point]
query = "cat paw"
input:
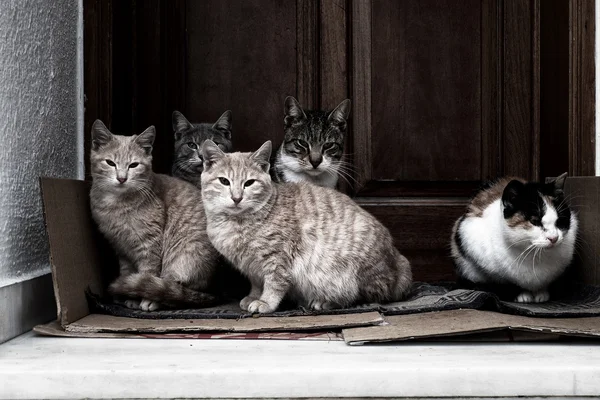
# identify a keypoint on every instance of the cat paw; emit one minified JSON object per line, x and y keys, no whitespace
{"x":133,"y":304}
{"x":246,"y":302}
{"x":525,"y":297}
{"x":320,"y":305}
{"x":259,"y":306}
{"x":541,"y":297}
{"x":149,"y":305}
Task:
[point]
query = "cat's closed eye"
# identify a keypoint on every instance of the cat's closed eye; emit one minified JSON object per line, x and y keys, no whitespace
{"x":224,"y":181}
{"x":111,"y":163}
{"x":133,"y":165}
{"x":301,"y":143}
{"x":329,"y":146}
{"x":249,"y":182}
{"x":535,"y":221}
{"x":192,"y":145}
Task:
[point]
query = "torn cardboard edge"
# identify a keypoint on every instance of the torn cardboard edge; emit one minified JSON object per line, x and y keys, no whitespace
{"x":80,"y":259}
{"x":466,"y":322}
{"x":55,"y":329}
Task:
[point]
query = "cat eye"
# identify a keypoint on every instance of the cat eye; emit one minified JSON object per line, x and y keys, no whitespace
{"x":224,"y":181}
{"x":535,"y":221}
{"x":192,"y":145}
{"x":329,"y":146}
{"x":109,"y":162}
{"x":249,"y":182}
{"x":133,"y":165}
{"x":301,"y":143}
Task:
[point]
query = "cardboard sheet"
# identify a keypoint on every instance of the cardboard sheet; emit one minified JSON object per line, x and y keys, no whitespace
{"x":109,"y":323}
{"x":55,"y":329}
{"x":81,"y":260}
{"x":461,"y":322}
{"x":75,"y":258}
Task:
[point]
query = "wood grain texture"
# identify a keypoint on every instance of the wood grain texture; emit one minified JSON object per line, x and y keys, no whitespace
{"x":491,"y":90}
{"x":97,"y":65}
{"x":554,"y":87}
{"x":241,"y":56}
{"x":421,"y":231}
{"x":307,"y":53}
{"x":582,"y":88}
{"x":361,"y":92}
{"x":518,"y":102}
{"x":426,"y":74}
{"x":333,"y":53}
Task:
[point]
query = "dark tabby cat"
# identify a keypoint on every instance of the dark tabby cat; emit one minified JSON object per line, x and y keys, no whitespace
{"x":313,"y":145}
{"x":187,"y":163}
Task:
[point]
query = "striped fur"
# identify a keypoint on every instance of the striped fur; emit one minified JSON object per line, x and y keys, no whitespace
{"x":187,"y":161}
{"x":155,"y":223}
{"x":313,"y":145}
{"x":312,"y":244}
{"x":168,"y":292}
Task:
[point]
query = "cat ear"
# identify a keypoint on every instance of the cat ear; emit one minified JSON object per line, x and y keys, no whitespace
{"x":340,"y":114}
{"x":223,"y":124}
{"x":293,"y":111}
{"x":180,"y":123}
{"x":211,"y":153}
{"x":559,"y":183}
{"x":146,"y":139}
{"x":511,"y":193}
{"x":262,"y":156}
{"x":100,"y":135}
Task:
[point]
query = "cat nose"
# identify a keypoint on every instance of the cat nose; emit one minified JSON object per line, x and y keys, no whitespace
{"x":236,"y":200}
{"x":315,"y":161}
{"x":121,"y":180}
{"x":552,"y":239}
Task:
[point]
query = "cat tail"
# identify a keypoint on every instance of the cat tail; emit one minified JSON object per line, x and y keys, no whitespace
{"x":404,"y":277}
{"x":164,"y":291}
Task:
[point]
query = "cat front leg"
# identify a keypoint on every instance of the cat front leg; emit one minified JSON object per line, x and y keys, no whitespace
{"x":254,"y":294}
{"x":275,"y":287}
{"x":125,"y":267}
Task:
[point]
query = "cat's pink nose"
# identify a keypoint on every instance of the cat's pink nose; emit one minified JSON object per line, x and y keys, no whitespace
{"x":553,"y":239}
{"x":236,"y":200}
{"x":121,"y":180}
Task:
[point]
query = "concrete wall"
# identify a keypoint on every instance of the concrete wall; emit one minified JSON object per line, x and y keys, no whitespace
{"x":41,"y":128}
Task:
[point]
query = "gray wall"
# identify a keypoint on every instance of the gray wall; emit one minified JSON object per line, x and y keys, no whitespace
{"x":41,"y":127}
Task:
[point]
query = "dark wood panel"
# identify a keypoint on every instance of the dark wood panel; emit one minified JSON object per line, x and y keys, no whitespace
{"x":491,"y":90}
{"x":333,"y":53}
{"x":123,"y":67}
{"x":520,"y":133}
{"x":307,"y":61}
{"x":427,"y":79}
{"x":554,"y":98}
{"x":360,"y":89}
{"x":97,"y":65}
{"x":582,"y":92}
{"x":421,"y":230}
{"x":420,"y":189}
{"x":241,"y":56}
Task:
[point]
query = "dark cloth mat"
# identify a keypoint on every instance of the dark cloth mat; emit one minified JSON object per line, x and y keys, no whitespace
{"x":581,"y":301}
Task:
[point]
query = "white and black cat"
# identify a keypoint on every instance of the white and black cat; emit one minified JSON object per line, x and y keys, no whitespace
{"x":517,"y":233}
{"x":313,"y":145}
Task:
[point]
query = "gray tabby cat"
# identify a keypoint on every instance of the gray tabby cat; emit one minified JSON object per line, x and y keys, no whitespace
{"x":155,"y":223}
{"x":313,"y":244}
{"x":313,"y":145}
{"x":187,"y":163}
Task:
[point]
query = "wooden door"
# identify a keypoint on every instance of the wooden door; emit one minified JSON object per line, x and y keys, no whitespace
{"x":445,"y":93}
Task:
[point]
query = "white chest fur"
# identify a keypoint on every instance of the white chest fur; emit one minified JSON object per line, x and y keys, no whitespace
{"x":503,"y":259}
